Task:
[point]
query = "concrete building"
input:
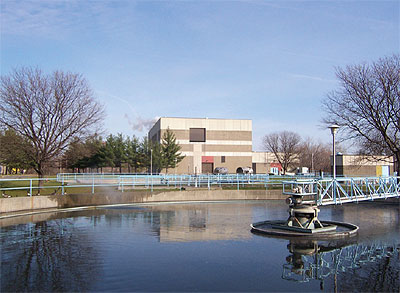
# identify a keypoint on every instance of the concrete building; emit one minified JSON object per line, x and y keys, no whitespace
{"x":354,"y":165}
{"x":211,"y":143}
{"x":208,"y":143}
{"x":265,"y":163}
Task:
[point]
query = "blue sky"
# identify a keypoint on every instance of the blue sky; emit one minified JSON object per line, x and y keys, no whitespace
{"x":269,"y":61}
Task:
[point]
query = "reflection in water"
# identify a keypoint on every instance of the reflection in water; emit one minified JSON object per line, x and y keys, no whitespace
{"x":201,"y":222}
{"x":48,"y":254}
{"x":313,"y":260}
{"x":194,"y":247}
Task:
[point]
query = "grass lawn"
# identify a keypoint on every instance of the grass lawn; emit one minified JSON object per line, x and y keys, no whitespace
{"x":49,"y":186}
{"x":52,"y":187}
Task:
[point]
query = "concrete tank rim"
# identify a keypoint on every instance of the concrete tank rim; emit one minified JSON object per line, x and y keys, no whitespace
{"x":71,"y":209}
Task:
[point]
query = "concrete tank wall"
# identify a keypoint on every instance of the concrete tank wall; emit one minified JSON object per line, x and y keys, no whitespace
{"x":8,"y":205}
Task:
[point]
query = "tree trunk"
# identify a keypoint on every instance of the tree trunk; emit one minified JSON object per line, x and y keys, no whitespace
{"x":40,"y":177}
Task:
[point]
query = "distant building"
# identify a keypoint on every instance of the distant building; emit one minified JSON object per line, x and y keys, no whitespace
{"x":355,"y":165}
{"x":265,"y":163}
{"x":208,"y":143}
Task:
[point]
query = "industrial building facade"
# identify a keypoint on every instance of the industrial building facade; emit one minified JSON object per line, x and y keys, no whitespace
{"x":208,"y":143}
{"x":265,"y":163}
{"x":211,"y":143}
{"x":353,"y":165}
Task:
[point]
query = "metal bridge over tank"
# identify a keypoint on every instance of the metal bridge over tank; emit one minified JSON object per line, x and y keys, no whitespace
{"x":342,"y":190}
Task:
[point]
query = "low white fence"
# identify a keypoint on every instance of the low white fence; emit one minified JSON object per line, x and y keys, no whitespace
{"x":124,"y":182}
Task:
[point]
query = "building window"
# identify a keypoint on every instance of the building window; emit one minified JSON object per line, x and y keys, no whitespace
{"x":197,"y":134}
{"x":222,"y":159}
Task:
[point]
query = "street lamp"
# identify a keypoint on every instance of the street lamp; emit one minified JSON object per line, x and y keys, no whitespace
{"x":334,"y":129}
{"x":151,"y":162}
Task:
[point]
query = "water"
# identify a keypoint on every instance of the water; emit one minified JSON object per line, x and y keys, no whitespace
{"x":196,"y":247}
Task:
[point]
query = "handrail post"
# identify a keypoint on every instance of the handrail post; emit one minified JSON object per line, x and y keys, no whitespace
{"x":62,"y":186}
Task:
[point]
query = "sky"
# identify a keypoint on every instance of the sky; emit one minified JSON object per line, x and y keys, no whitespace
{"x":269,"y":61}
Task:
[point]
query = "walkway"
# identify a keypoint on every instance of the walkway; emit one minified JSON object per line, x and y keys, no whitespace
{"x":343,"y":190}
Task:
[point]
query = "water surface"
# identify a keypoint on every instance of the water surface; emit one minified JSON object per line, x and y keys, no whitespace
{"x":196,"y":247}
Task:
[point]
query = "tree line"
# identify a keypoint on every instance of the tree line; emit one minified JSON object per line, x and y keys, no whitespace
{"x":116,"y":151}
{"x":96,"y":153}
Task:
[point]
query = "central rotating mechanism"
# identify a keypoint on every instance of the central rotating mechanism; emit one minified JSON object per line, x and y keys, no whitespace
{"x":303,"y":217}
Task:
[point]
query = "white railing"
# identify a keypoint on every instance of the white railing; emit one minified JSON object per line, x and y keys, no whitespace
{"x":91,"y":182}
{"x":343,"y":190}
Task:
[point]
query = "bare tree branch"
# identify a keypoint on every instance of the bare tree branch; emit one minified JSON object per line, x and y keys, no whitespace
{"x":367,"y":106}
{"x":285,"y":146}
{"x":50,"y":110}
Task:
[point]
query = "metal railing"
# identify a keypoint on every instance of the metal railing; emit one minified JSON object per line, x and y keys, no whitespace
{"x":132,"y":181}
{"x":321,"y":191}
{"x":124,"y":182}
{"x":343,"y":190}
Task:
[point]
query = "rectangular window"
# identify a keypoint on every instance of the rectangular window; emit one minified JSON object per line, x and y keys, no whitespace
{"x":222,"y":159}
{"x":197,"y":134}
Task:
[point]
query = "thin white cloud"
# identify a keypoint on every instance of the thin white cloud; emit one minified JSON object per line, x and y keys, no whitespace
{"x":321,"y":10}
{"x":58,"y":19}
{"x":135,"y":121}
{"x":36,"y":17}
{"x":310,"y":77}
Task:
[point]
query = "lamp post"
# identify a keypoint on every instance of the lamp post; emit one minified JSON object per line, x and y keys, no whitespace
{"x":151,"y":162}
{"x":334,"y":129}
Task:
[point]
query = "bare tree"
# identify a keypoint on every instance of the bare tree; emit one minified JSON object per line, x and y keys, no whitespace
{"x":367,"y":106}
{"x":285,"y":146}
{"x":50,"y":110}
{"x":315,"y":155}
